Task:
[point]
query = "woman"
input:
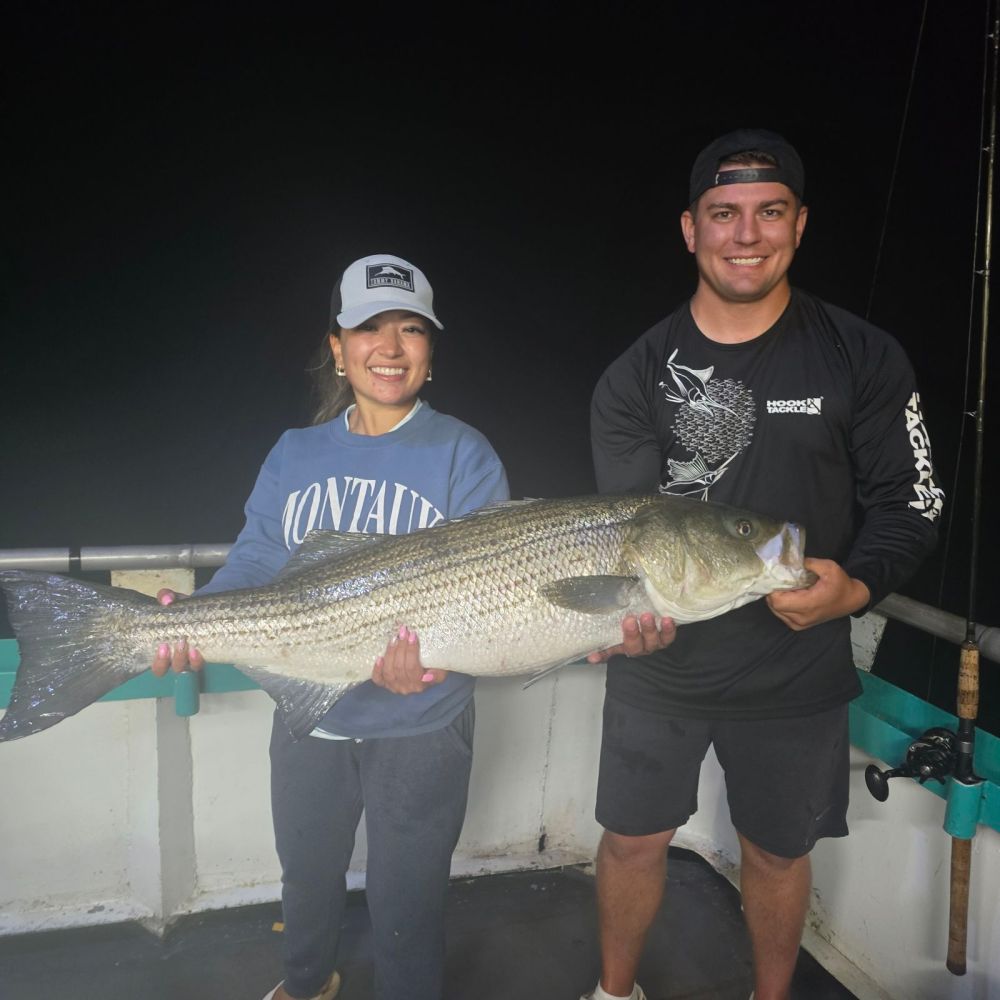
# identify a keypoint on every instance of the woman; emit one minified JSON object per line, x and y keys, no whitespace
{"x":377,"y":459}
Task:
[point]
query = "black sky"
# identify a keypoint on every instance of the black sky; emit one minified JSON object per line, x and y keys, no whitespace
{"x":184,"y":189}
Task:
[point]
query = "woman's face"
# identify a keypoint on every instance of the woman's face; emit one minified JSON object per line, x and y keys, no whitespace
{"x":386,"y":358}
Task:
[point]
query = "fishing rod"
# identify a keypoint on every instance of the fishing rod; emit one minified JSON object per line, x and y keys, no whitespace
{"x":939,"y":752}
{"x":968,"y":673}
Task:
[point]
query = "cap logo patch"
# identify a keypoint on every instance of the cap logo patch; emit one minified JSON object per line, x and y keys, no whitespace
{"x":391,"y":275}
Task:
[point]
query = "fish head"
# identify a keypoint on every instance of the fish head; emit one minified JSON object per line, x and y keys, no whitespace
{"x":698,"y":559}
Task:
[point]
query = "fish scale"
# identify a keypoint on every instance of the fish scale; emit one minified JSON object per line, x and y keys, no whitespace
{"x":514,"y":589}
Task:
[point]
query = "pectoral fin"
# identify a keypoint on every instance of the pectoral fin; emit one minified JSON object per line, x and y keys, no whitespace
{"x":545,"y":671}
{"x":592,"y":595}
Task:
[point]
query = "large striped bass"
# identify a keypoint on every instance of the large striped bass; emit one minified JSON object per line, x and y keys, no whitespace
{"x":514,"y":589}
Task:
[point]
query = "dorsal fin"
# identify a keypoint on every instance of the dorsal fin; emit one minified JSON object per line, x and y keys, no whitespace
{"x":323,"y":545}
{"x":491,"y":507}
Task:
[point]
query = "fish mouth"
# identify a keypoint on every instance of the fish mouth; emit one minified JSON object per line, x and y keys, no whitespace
{"x":782,"y":556}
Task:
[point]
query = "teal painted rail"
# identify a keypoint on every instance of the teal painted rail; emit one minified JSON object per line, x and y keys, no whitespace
{"x":216,"y":678}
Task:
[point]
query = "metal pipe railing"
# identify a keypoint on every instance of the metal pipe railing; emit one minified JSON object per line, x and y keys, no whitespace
{"x":114,"y":557}
{"x":940,"y":623}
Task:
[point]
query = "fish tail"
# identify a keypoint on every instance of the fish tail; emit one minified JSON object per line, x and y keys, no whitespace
{"x":72,"y":647}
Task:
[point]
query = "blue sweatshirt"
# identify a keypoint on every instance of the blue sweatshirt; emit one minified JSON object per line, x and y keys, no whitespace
{"x":428,"y":468}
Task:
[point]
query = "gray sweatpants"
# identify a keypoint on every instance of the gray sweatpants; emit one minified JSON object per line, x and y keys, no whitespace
{"x":413,"y":790}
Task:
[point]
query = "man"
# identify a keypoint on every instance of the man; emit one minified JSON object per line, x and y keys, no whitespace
{"x":759,"y":395}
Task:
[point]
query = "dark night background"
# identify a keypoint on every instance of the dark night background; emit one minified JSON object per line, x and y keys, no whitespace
{"x":184,"y":189}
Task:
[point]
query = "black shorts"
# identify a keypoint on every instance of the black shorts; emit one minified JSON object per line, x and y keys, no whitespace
{"x":786,"y":779}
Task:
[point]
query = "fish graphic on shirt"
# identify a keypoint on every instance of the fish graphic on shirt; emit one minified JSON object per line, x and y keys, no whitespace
{"x":713,"y":422}
{"x":696,"y":474}
{"x":690,"y":386}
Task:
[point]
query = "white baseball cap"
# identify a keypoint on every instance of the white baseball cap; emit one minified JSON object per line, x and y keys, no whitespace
{"x":377,"y":283}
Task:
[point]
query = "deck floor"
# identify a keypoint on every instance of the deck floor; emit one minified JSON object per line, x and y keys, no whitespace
{"x":520,"y":936}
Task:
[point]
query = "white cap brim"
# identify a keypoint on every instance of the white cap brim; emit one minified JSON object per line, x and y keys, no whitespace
{"x":355,"y":316}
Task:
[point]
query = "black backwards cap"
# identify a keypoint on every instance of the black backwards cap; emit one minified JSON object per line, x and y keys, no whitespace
{"x":705,"y":173}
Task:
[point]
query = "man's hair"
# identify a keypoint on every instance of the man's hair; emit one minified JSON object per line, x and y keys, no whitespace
{"x":747,"y":157}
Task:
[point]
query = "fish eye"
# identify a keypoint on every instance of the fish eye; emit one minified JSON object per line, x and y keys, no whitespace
{"x":744,"y":528}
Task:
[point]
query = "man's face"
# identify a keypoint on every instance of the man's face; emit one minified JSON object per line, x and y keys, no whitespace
{"x":744,"y":237}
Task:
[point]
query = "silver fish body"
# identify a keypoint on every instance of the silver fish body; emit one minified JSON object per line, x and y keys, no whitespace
{"x":514,"y":589}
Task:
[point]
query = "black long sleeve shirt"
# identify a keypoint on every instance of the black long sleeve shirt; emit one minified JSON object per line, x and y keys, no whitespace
{"x":816,"y":421}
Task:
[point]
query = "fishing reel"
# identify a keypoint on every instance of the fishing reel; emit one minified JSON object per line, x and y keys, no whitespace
{"x":931,"y":755}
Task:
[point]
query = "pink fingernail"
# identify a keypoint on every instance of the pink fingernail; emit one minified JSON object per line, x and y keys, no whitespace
{"x":428,"y":677}
{"x":193,"y":651}
{"x":402,"y":631}
{"x":411,"y":637}
{"x":379,"y":661}
{"x":162,"y":650}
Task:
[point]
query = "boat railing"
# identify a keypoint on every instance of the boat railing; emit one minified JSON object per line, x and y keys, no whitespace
{"x":100,"y":558}
{"x":885,"y":719}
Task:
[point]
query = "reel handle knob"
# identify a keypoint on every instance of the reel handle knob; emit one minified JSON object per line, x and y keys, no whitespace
{"x":878,"y":781}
